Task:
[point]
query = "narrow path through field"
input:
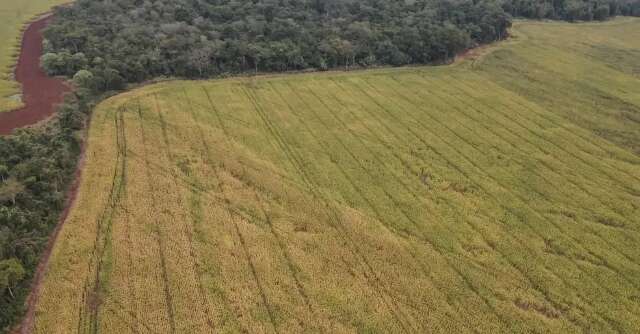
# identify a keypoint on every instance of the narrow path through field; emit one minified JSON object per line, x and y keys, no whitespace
{"x":40,"y":92}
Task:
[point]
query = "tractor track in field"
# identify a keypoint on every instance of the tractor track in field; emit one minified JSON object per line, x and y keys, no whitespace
{"x":298,"y":164}
{"x":520,"y":124}
{"x":189,"y":232}
{"x":291,"y":266}
{"x":423,"y":237}
{"x":40,"y":93}
{"x":558,"y":123}
{"x":554,"y":303}
{"x":239,"y":234}
{"x":515,"y":135}
{"x":162,"y":247}
{"x":527,"y":206}
{"x":357,"y":189}
{"x":589,"y":251}
{"x":550,"y":168}
{"x":423,"y":141}
{"x":92,"y":293}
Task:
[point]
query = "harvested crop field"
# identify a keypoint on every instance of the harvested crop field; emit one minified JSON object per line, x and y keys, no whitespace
{"x":500,"y":194}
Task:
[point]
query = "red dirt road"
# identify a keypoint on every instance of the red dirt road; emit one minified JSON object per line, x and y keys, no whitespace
{"x":41,"y":93}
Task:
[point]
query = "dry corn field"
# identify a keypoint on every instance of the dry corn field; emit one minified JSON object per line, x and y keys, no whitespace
{"x":497,"y":195}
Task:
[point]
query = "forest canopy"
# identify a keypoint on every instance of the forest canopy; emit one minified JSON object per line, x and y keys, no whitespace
{"x":572,"y":10}
{"x":122,"y":41}
{"x":134,"y":40}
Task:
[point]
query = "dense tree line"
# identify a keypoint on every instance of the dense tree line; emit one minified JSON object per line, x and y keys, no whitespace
{"x":572,"y":10}
{"x":36,"y":168}
{"x":122,"y":41}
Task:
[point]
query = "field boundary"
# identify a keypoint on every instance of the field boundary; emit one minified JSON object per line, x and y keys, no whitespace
{"x":27,"y":323}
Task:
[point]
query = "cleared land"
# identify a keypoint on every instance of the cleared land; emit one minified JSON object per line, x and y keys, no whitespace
{"x":497,"y":195}
{"x":14,"y":15}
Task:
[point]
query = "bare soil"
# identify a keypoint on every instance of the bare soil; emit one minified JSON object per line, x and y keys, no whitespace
{"x":40,"y":92}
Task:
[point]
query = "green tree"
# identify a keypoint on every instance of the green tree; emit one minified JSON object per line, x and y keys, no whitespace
{"x":601,"y":13}
{"x":79,"y":61}
{"x":10,"y":189}
{"x":4,"y":172}
{"x":51,"y":63}
{"x":84,"y":79}
{"x":112,"y":79}
{"x":11,"y":273}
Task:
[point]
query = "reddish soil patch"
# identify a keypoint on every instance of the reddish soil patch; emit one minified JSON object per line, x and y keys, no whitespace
{"x":41,"y":93}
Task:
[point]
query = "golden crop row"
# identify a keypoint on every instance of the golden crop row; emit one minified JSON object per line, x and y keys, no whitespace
{"x":401,"y":200}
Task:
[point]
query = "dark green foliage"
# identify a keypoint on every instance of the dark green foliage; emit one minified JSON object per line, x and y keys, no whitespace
{"x":36,"y":168}
{"x":123,"y":41}
{"x":11,"y":272}
{"x":572,"y":10}
{"x":130,"y":41}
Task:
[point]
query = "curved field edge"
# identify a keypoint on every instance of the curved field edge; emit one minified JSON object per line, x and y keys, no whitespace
{"x":15,"y":17}
{"x":447,"y":199}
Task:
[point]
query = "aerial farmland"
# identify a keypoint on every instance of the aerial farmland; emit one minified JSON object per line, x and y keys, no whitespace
{"x":424,"y":199}
{"x":319,"y":166}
